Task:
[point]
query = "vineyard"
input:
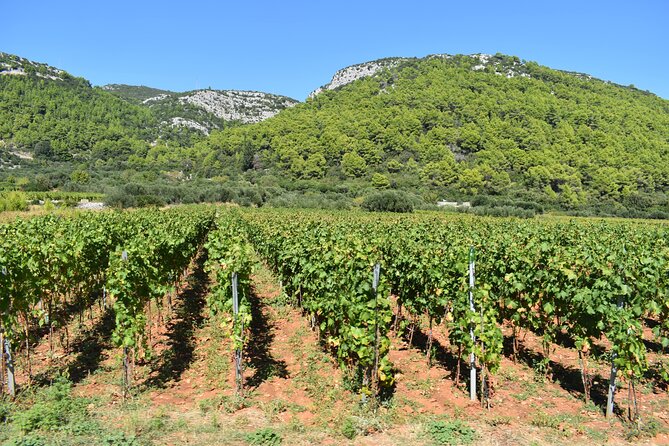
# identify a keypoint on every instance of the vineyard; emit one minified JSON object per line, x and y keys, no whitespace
{"x":475,"y":298}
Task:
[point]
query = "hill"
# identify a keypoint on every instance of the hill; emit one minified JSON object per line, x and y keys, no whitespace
{"x":485,"y":127}
{"x":204,"y":110}
{"x":135,"y":144}
{"x":47,"y":113}
{"x":136,"y":94}
{"x":358,"y":71}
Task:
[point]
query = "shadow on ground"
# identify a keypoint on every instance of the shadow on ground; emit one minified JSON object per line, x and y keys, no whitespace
{"x":442,"y":355}
{"x":257,"y":351}
{"x":89,"y":346}
{"x":569,"y":378}
{"x":187,"y":317}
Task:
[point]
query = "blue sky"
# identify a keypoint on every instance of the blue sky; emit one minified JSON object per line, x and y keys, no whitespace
{"x":292,"y":47}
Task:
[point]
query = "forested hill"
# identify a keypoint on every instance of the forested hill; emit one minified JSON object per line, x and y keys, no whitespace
{"x":462,"y":126}
{"x":203,"y":110}
{"x":54,"y":115}
{"x":136,"y":94}
{"x":48,"y":114}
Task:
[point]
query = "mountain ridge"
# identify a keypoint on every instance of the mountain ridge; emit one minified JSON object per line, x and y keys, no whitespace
{"x":465,"y":125}
{"x":204,"y":109}
{"x":13,"y":65}
{"x":353,"y":72}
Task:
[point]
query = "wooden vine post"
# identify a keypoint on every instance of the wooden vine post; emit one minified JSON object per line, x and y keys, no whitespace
{"x":2,"y":348}
{"x":2,"y":361}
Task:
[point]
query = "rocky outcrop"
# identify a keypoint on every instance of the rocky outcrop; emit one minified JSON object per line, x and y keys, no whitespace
{"x":358,"y":71}
{"x":11,"y":65}
{"x":182,"y":122}
{"x":235,"y":105}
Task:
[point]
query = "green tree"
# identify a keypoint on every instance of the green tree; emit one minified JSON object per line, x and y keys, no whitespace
{"x":80,"y":177}
{"x":314,"y":166}
{"x":380,"y":181}
{"x":394,"y":165}
{"x":470,"y":181}
{"x":353,"y":165}
{"x":43,"y":150}
{"x":440,"y":173}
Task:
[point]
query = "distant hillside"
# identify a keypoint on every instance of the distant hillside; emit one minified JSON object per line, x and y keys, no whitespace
{"x":204,"y":110}
{"x":467,"y":126}
{"x":11,"y":65}
{"x":133,"y":93}
{"x":47,"y":112}
{"x":354,"y":72}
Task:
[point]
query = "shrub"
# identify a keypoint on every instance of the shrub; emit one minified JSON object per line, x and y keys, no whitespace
{"x":380,"y":181}
{"x":503,"y":211}
{"x":54,"y":409}
{"x":451,"y":432}
{"x":388,"y":201}
{"x":149,"y":200}
{"x":28,"y":440}
{"x":365,"y":423}
{"x":13,"y":201}
{"x":119,"y":199}
{"x":264,"y":437}
{"x":5,"y":410}
{"x":310,"y":201}
{"x":119,"y":439}
{"x":48,"y":205}
{"x":133,"y":195}
{"x":348,"y":429}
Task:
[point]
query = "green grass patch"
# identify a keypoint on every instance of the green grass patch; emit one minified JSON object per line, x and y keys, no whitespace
{"x":453,"y":432}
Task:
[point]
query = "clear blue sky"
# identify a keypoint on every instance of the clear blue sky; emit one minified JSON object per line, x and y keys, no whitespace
{"x":292,"y":47}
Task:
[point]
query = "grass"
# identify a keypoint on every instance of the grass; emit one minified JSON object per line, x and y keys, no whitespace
{"x":424,"y":386}
{"x":217,"y":362}
{"x":361,"y":425}
{"x":565,"y":424}
{"x":508,"y":375}
{"x":542,"y":419}
{"x":313,"y":375}
{"x":52,"y":416}
{"x":264,"y":437}
{"x":591,"y":407}
{"x":275,"y":407}
{"x":647,"y":427}
{"x":529,"y":389}
{"x":451,"y":432}
{"x":596,"y":435}
{"x":498,"y":420}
